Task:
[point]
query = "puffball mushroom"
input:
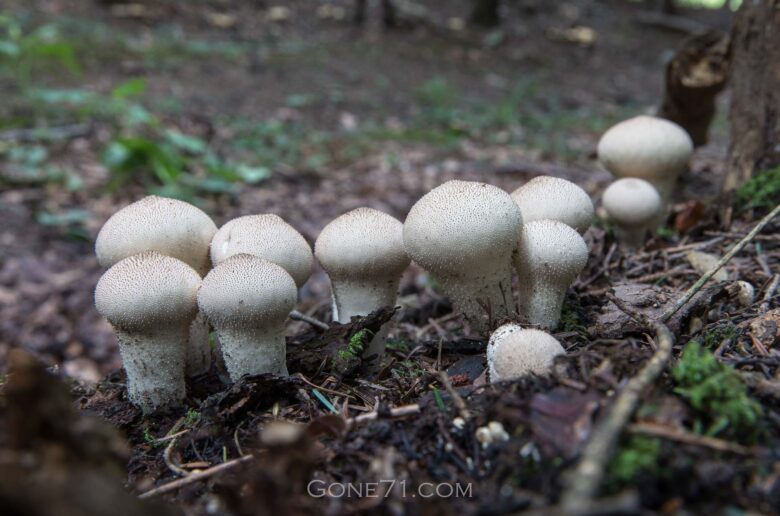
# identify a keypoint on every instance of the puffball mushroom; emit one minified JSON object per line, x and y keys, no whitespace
{"x":549,"y":258}
{"x":633,"y":205}
{"x":266,"y":236}
{"x":553,"y":198}
{"x":170,"y":227}
{"x":150,"y":300}
{"x":514,"y":352}
{"x":363,"y":253}
{"x":647,"y":147}
{"x":464,"y":233}
{"x":247,"y":300}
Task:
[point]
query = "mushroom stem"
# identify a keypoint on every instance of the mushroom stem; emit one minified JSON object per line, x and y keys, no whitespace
{"x":482,"y":297}
{"x":152,"y":361}
{"x":362,"y":296}
{"x":198,"y":349}
{"x":253,"y":351}
{"x":541,"y":304}
{"x":632,"y":237}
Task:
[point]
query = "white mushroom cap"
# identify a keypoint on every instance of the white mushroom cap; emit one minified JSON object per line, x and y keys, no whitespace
{"x":549,"y":258}
{"x":513,"y":352}
{"x":168,"y":226}
{"x":647,"y":147}
{"x":247,"y":300}
{"x":547,"y":197}
{"x":363,"y":253}
{"x":633,"y":205}
{"x":266,"y":236}
{"x":464,"y":233}
{"x":150,"y":300}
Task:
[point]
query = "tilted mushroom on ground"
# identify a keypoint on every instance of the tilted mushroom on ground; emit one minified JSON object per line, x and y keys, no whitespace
{"x":151,"y":300}
{"x":363,"y":253}
{"x":464,"y":233}
{"x":553,"y":198}
{"x":247,"y":300}
{"x":632,"y":205}
{"x":514,"y":352}
{"x":173,"y":228}
{"x":647,"y":147}
{"x":549,"y":258}
{"x":266,"y":236}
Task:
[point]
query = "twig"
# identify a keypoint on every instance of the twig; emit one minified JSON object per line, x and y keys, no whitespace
{"x":295,"y":315}
{"x":194,"y":477}
{"x":770,"y":291}
{"x":405,"y":410}
{"x":673,"y":434}
{"x":726,"y":257}
{"x":459,"y":403}
{"x":583,"y":483}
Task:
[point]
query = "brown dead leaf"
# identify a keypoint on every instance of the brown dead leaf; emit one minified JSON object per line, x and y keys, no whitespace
{"x":704,"y":262}
{"x":561,"y":419}
{"x":766,"y":328}
{"x":688,"y":215}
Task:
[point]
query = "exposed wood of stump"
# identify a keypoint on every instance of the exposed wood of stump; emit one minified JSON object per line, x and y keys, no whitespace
{"x":755,"y":91}
{"x":694,"y":77}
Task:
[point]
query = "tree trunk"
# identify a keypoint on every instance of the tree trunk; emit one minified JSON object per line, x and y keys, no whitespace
{"x":694,"y":77}
{"x":485,"y":13}
{"x":755,"y":91}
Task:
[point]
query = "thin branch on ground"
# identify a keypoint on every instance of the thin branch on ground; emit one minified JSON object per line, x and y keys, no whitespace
{"x":406,"y":410}
{"x":456,"y":399}
{"x":723,"y":261}
{"x":295,"y":315}
{"x":674,"y":434}
{"x":770,"y":292}
{"x":194,"y":477}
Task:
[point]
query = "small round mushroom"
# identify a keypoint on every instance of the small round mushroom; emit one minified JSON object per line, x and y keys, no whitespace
{"x":553,"y":198}
{"x":514,"y":352}
{"x":247,"y":300}
{"x":649,"y":148}
{"x":633,"y":205}
{"x":549,"y":258}
{"x":170,"y":227}
{"x":150,"y":300}
{"x":464,"y":234}
{"x":266,"y":236}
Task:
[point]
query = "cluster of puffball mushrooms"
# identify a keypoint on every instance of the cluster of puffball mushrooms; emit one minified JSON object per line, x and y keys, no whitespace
{"x":173,"y":275}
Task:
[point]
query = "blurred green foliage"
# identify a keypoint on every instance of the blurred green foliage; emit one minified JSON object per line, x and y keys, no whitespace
{"x":637,"y":455}
{"x":762,"y":190}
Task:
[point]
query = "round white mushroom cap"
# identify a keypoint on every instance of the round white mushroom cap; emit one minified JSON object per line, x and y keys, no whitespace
{"x":266,"y":236}
{"x":245,"y":290}
{"x":648,"y":147}
{"x":514,"y":352}
{"x":147,"y":291}
{"x":168,"y":226}
{"x":632,"y":202}
{"x":553,"y":198}
{"x":460,"y":225}
{"x":362,"y":243}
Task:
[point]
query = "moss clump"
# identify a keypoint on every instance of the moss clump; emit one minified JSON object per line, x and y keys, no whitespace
{"x":716,"y":393}
{"x":711,"y":339}
{"x":354,"y":347}
{"x":638,"y":455}
{"x":761,"y":191}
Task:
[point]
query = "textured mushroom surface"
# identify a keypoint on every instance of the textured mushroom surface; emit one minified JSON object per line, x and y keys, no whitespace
{"x":247,"y":300}
{"x":633,"y":205}
{"x":168,"y":226}
{"x":647,"y":147}
{"x":514,"y":352}
{"x":150,"y":300}
{"x":464,"y":233}
{"x":549,"y":258}
{"x":553,"y":198}
{"x":266,"y":236}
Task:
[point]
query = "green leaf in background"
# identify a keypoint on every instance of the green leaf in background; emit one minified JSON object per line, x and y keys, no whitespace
{"x":9,"y":48}
{"x":128,"y":89}
{"x":63,"y":53}
{"x":253,"y":175}
{"x":65,"y":218}
{"x":186,"y":142}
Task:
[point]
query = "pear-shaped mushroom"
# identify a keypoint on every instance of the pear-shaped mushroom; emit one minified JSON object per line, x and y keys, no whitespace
{"x":514,"y":352}
{"x":553,"y":198}
{"x":170,"y":227}
{"x":363,"y":253}
{"x":633,"y":205}
{"x":247,"y":300}
{"x":549,"y":258}
{"x":150,"y":300}
{"x":266,"y":236}
{"x":464,"y":233}
{"x":647,"y":147}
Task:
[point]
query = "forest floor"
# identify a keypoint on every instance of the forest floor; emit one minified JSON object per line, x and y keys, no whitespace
{"x":252,"y":108}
